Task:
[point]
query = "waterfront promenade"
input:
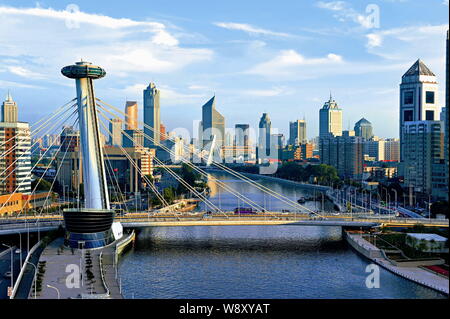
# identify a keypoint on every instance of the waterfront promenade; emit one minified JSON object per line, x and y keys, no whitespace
{"x":60,"y":263}
{"x":416,"y":273}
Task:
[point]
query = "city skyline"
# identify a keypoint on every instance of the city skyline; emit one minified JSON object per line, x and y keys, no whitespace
{"x":261,"y":65}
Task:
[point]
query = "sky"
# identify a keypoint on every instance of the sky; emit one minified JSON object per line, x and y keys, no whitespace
{"x":283,"y":58}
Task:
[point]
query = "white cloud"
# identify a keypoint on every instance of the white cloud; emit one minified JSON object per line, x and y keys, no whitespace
{"x":23,"y":72}
{"x":402,"y":43}
{"x":250,"y":29}
{"x":343,"y":12}
{"x":287,"y":61}
{"x":40,"y":39}
{"x":276,"y":91}
{"x":374,"y":40}
{"x":445,"y":2}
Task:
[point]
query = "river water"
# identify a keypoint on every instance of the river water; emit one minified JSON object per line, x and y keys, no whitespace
{"x":253,"y":261}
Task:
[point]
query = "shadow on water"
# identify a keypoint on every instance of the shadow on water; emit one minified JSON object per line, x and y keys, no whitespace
{"x":241,"y":238}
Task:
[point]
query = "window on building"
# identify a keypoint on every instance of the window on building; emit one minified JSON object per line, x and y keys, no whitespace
{"x":429,"y":115}
{"x":429,"y":97}
{"x":408,"y":97}
{"x":408,"y":116}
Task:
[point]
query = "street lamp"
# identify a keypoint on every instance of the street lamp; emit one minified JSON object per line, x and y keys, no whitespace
{"x":35,"y":273}
{"x":49,"y":286}
{"x":12,"y":265}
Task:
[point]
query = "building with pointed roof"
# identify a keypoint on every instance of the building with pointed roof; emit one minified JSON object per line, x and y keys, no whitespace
{"x":418,"y":98}
{"x":213,"y":124}
{"x":9,"y":110}
{"x":364,"y":129}
{"x":330,"y":119}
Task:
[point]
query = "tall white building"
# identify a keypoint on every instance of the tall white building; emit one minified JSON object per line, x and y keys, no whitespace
{"x":418,"y":98}
{"x":330,"y":119}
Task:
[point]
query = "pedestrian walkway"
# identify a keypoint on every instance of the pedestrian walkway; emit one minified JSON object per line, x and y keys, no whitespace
{"x":61,"y":265}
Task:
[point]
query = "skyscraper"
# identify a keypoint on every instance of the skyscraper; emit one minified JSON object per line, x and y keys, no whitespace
{"x":364,"y":129}
{"x":418,"y":98}
{"x":15,"y":144}
{"x":297,"y":132}
{"x":131,"y":111}
{"x":330,"y":119}
{"x":115,"y":127}
{"x":9,"y":110}
{"x":213,"y":124}
{"x":447,"y":106}
{"x":265,"y":130}
{"x":152,"y":115}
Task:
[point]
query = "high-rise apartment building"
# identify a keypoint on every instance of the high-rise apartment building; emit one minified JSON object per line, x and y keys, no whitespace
{"x":392,"y":149}
{"x":422,"y":147}
{"x":345,"y":153}
{"x":15,"y":147}
{"x":297,"y":132}
{"x":152,"y":116}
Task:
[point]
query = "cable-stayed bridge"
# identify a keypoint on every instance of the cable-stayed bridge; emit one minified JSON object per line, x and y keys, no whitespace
{"x":93,"y":215}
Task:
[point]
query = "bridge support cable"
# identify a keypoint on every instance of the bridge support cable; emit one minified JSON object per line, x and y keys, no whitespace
{"x":36,"y":130}
{"x":262,"y":188}
{"x":32,"y":133}
{"x":30,"y":173}
{"x":154,"y":189}
{"x":173,"y":174}
{"x":54,"y":178}
{"x":55,"y":125}
{"x":248,"y":201}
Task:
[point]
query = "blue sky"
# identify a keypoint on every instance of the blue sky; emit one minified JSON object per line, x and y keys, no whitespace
{"x":280,"y":57}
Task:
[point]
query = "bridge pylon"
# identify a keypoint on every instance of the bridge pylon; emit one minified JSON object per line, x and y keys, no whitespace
{"x":91,"y":226}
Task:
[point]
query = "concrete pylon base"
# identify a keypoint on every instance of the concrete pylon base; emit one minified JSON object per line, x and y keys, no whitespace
{"x":88,"y":228}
